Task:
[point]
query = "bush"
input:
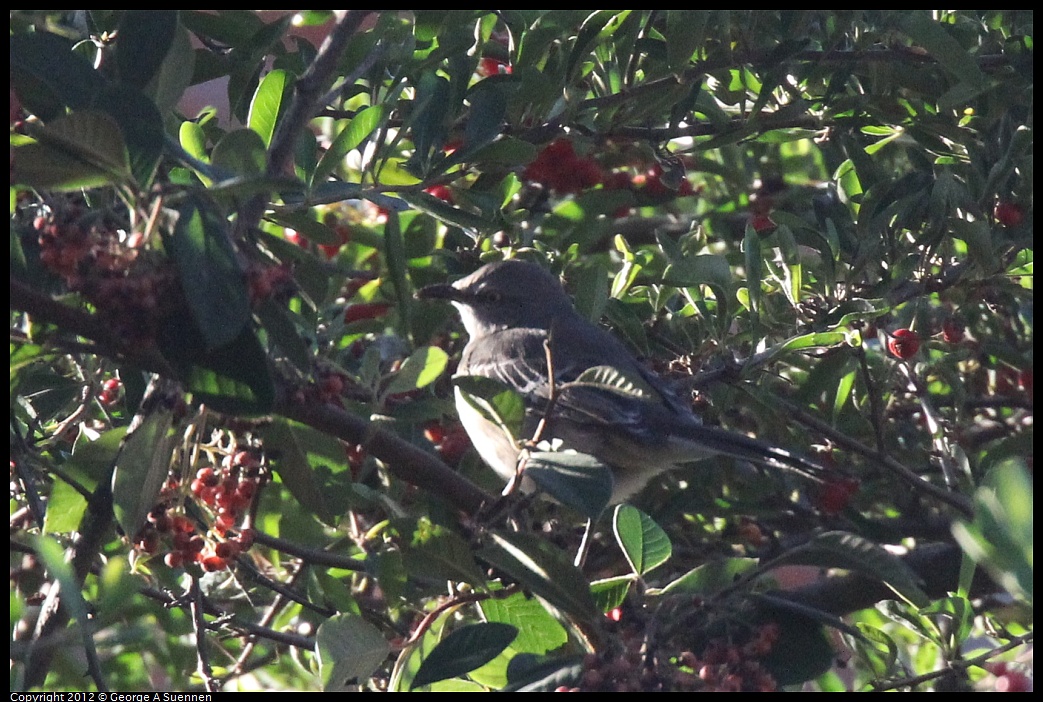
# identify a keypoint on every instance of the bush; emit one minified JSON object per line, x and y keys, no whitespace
{"x":235,"y":459}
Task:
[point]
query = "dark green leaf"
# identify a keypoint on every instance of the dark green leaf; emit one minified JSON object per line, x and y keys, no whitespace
{"x":234,"y":379}
{"x":210,"y":274}
{"x":141,"y":469}
{"x":48,"y":76}
{"x":574,"y":479}
{"x":145,"y":37}
{"x":439,"y":209}
{"x":300,"y":448}
{"x":437,"y":553}
{"x":464,"y":650}
{"x":837,"y":549}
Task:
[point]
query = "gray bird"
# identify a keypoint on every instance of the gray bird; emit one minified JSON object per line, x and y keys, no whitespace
{"x":510,"y":310}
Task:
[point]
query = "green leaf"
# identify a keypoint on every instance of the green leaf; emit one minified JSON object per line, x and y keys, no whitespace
{"x":494,"y":401}
{"x":1001,"y":536}
{"x":711,"y":577}
{"x":91,"y":136}
{"x":423,"y":367}
{"x":65,"y":509}
{"x":145,"y":37}
{"x":837,"y":549}
{"x":267,"y":103}
{"x":644,"y":543}
{"x":541,"y":567}
{"x":301,"y":448}
{"x":611,"y":592}
{"x":141,"y":469}
{"x":81,"y":150}
{"x":699,"y":270}
{"x":233,"y":378}
{"x":538,"y":631}
{"x":349,"y":651}
{"x":441,"y":210}
{"x":210,"y":274}
{"x":435,"y":552}
{"x":464,"y":650}
{"x":141,"y":125}
{"x":574,"y":479}
{"x":485,"y":119}
{"x":939,"y":43}
{"x":193,"y":141}
{"x":282,"y":331}
{"x":48,"y":75}
{"x":361,"y":126}
{"x":242,"y":152}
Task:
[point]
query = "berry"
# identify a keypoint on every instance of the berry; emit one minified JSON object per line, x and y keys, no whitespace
{"x":903,"y":344}
{"x":492,"y":67}
{"x":953,"y":330}
{"x":227,"y":549}
{"x":174,"y":559}
{"x":214,"y":563}
{"x":442,"y":192}
{"x":365,"y":310}
{"x":1008,"y":214}
{"x":762,"y":224}
{"x":835,"y":495}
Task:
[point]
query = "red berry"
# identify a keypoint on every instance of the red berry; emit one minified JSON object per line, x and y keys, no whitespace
{"x":454,"y":446}
{"x":174,"y":559}
{"x":492,"y":67}
{"x":112,"y":385}
{"x":227,"y":549}
{"x":434,"y":432}
{"x":208,"y":477}
{"x":903,"y":343}
{"x":952,"y":330}
{"x":214,"y":563}
{"x":246,"y":539}
{"x":762,"y":224}
{"x":1008,"y":214}
{"x":835,"y":495}
{"x":442,"y":192}
{"x":615,"y":614}
{"x":365,"y":310}
{"x":183,"y":524}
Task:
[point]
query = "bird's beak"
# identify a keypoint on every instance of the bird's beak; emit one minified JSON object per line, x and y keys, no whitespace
{"x":440,"y":291}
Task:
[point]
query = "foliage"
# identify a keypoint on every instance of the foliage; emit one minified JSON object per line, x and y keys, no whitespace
{"x":235,"y":460}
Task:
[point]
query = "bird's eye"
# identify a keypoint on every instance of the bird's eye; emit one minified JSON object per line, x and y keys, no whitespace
{"x":492,"y":296}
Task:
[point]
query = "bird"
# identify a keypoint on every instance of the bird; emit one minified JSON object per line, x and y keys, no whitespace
{"x":524,"y":332}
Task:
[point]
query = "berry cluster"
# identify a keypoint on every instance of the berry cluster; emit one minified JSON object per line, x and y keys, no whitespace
{"x":1009,"y":679}
{"x":450,"y":441}
{"x":560,"y":169}
{"x":92,"y":258}
{"x":227,"y":493}
{"x":635,"y":666}
{"x":269,"y":281}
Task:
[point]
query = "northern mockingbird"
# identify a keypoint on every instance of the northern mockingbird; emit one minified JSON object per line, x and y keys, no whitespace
{"x":510,"y":310}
